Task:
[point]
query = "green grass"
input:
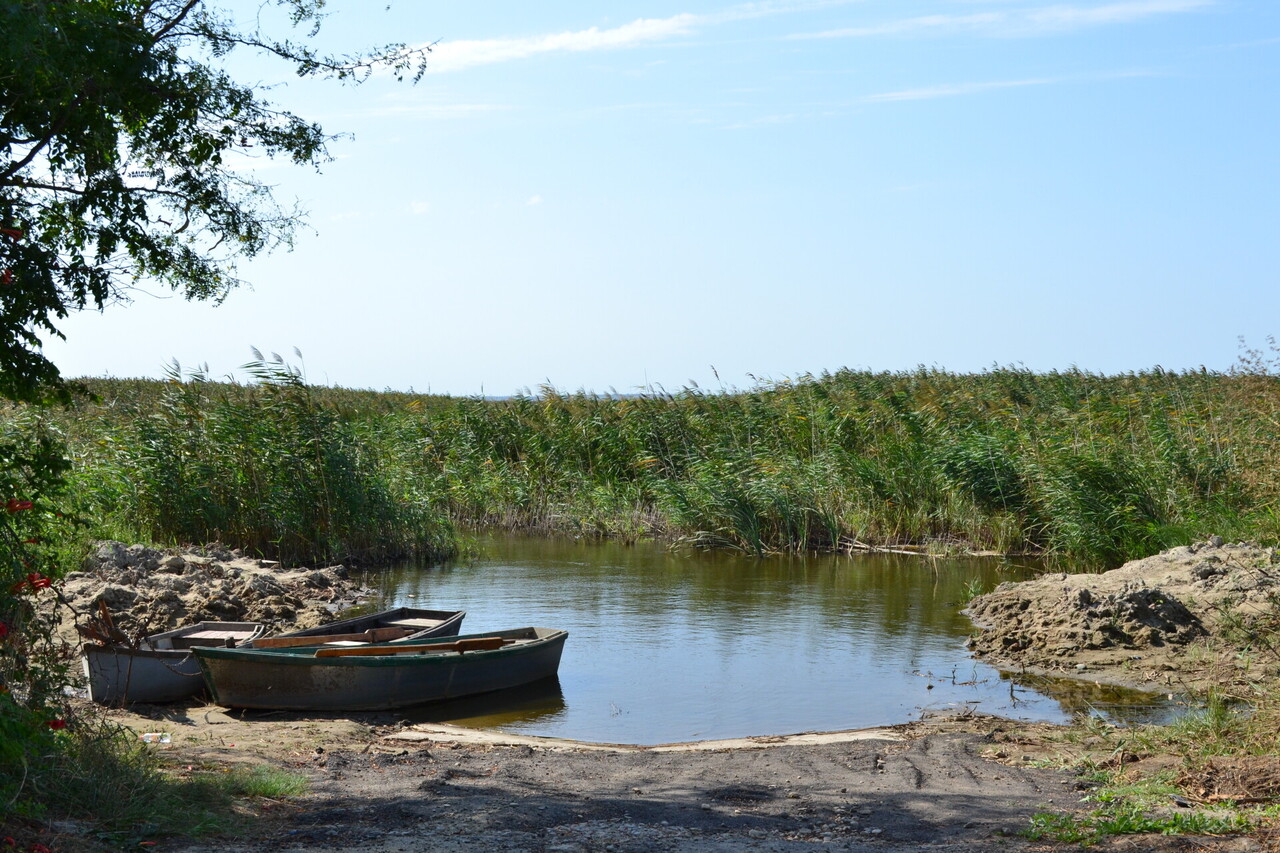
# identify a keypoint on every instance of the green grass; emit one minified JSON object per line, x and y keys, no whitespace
{"x":1130,"y":802}
{"x":1089,"y":470}
{"x":268,"y":468}
{"x":1130,"y":819}
{"x":263,"y":780}
{"x":98,"y":774}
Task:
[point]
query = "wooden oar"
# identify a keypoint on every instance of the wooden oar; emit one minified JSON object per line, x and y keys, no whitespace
{"x":373,"y":635}
{"x":474,"y":644}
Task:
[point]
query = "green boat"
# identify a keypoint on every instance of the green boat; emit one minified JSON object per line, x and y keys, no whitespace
{"x":380,"y":676}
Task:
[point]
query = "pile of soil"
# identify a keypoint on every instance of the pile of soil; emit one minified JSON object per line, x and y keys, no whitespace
{"x":146,"y":590}
{"x":1188,"y":618}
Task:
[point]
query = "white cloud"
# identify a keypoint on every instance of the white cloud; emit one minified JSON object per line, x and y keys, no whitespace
{"x":418,"y":208}
{"x":533,"y":201}
{"x":1070,"y":17}
{"x":408,"y":108}
{"x":908,"y":25}
{"x":951,"y":90}
{"x":453,"y":56}
{"x":457,"y":55}
{"x":763,"y":121}
{"x":1019,"y":22}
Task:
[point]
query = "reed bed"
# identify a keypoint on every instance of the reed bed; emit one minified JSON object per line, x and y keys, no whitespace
{"x":1077,"y":466}
{"x":267,"y":467}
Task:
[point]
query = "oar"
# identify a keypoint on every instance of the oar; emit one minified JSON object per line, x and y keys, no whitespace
{"x":373,"y":635}
{"x":474,"y":644}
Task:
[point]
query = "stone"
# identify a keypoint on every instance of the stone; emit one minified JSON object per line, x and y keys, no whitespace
{"x":173,"y":564}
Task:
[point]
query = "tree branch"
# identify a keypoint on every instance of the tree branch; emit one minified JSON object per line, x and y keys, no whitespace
{"x":17,"y":167}
{"x":176,"y":19}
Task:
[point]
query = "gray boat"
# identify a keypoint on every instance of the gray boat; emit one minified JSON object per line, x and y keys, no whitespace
{"x":161,"y":667}
{"x":380,"y":676}
{"x":400,"y":624}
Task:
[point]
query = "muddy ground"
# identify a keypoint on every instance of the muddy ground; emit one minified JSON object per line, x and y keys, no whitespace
{"x":965,"y":784}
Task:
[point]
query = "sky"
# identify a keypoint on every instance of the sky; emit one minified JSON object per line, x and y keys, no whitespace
{"x":615,"y":197}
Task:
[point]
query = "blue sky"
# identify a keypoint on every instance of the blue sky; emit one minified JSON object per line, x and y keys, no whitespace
{"x":615,"y":195}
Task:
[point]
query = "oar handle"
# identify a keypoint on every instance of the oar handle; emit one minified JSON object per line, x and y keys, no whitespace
{"x":472,"y":644}
{"x":373,"y":635}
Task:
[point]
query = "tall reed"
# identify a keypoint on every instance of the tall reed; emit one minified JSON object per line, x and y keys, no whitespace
{"x":1087,"y":467}
{"x":265,"y":467}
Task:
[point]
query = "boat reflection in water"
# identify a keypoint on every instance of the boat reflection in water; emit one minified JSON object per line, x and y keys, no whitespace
{"x":541,"y":701}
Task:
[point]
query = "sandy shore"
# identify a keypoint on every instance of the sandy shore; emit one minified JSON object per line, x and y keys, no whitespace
{"x":964,"y":784}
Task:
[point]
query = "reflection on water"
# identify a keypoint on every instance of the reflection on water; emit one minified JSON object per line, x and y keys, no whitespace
{"x":1117,"y":704}
{"x":673,"y":646}
{"x":520,"y":706}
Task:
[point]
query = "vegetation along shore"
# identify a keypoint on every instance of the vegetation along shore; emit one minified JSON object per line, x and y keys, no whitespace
{"x":1086,"y":471}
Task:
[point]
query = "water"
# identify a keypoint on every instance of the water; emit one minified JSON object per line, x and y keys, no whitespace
{"x":667,"y":646}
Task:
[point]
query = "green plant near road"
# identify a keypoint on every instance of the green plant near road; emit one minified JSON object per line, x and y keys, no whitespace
{"x":1131,"y":819}
{"x":100,"y":773}
{"x":1129,"y":803}
{"x":264,"y":780}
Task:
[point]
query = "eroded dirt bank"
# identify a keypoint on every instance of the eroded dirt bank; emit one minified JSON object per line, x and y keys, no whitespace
{"x":1187,"y":619}
{"x":146,"y":590}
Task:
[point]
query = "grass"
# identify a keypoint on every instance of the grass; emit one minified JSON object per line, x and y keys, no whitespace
{"x":120,"y":794}
{"x":1175,"y":800}
{"x":264,"y":780}
{"x":1130,"y":819}
{"x":268,"y":468}
{"x":1089,"y":470}
{"x":1086,"y":469}
{"x":99,"y":775}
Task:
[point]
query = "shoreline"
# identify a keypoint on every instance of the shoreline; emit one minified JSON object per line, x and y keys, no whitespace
{"x":965,"y":782}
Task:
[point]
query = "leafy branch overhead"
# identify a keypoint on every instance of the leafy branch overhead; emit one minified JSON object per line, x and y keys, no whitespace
{"x":118,"y":129}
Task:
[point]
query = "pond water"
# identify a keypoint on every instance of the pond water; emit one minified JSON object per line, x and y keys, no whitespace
{"x":674,"y":646}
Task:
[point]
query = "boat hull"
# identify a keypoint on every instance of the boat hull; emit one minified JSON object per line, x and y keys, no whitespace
{"x":297,"y":680}
{"x":119,"y":675}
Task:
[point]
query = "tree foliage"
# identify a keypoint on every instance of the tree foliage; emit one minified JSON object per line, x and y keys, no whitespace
{"x":119,"y":131}
{"x":119,"y":128}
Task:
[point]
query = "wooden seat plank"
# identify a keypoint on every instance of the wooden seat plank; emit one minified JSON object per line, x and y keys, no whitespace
{"x":472,"y":644}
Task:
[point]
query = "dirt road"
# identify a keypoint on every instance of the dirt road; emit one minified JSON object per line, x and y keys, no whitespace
{"x":964,"y":785}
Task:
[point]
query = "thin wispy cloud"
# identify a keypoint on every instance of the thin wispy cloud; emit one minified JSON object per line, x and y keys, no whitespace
{"x":468,"y":53}
{"x":439,"y":111}
{"x":952,"y":90}
{"x":763,"y":121}
{"x":457,"y":55}
{"x":955,"y":90}
{"x":1040,"y":20}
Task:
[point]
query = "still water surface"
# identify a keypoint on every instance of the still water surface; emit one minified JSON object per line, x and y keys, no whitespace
{"x":674,"y":646}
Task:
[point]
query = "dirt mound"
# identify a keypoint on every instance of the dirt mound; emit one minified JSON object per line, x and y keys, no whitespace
{"x":1180,"y":619}
{"x":147,"y":590}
